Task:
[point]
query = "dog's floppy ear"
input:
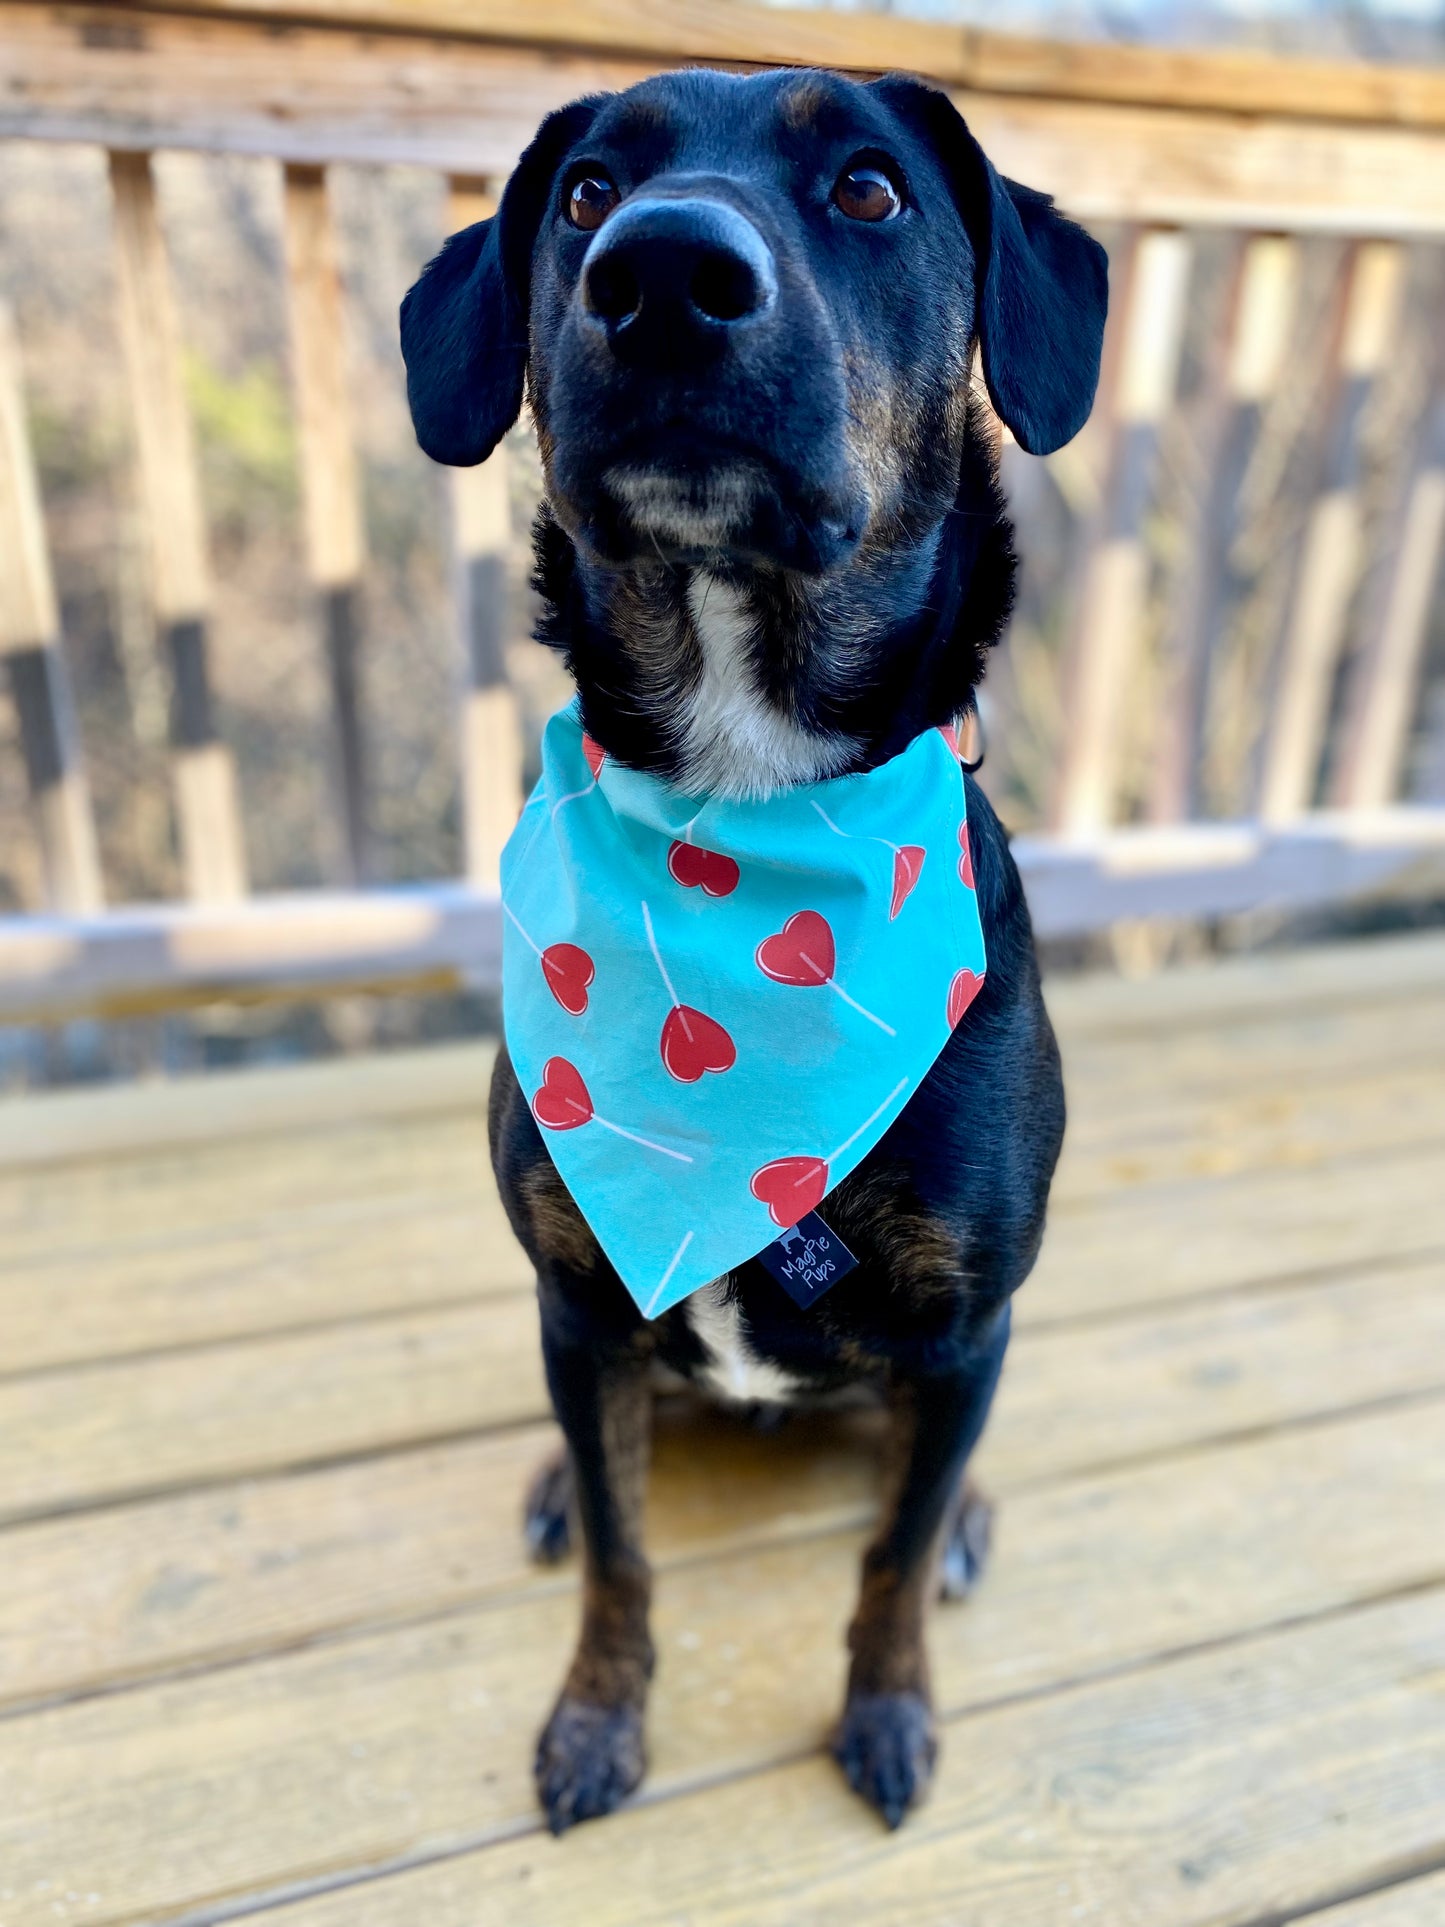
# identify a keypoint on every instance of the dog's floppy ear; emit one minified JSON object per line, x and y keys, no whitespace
{"x":464,"y":324}
{"x":1041,"y":283}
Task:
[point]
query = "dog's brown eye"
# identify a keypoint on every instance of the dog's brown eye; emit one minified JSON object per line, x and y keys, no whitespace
{"x":865,"y":193}
{"x":591,"y":201}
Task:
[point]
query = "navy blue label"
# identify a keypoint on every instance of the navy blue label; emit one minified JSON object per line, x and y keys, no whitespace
{"x":808,"y":1260}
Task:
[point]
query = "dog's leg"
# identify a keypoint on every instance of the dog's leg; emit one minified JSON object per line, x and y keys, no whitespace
{"x":590,"y":1755}
{"x":886,"y":1742}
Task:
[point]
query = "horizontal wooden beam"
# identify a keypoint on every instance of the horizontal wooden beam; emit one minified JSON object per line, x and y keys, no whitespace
{"x":674,"y":32}
{"x":1075,"y":886}
{"x":126,"y":76}
{"x":153,"y":957}
{"x":448,"y":935}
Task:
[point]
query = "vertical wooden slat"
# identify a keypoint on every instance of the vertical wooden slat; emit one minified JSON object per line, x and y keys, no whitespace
{"x":1330,"y":556}
{"x":1262,"y":304}
{"x":1108,"y":622}
{"x":1377,"y":724}
{"x":491,"y":735}
{"x":205,"y":772}
{"x":329,"y":481}
{"x":36,"y":673}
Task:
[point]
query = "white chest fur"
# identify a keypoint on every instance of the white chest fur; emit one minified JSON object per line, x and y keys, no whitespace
{"x":734,"y":742}
{"x":734,"y":1370}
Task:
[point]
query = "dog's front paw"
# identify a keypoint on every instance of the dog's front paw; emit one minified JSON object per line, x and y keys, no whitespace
{"x":887,"y":1746}
{"x":966,"y":1540}
{"x":589,"y":1759}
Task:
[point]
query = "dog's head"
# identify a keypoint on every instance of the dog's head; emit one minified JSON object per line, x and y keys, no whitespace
{"x":748,"y":308}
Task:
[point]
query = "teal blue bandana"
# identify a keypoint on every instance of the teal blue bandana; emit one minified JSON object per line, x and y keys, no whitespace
{"x":717,"y":1009}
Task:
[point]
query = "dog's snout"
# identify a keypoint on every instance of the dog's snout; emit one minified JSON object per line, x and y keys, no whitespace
{"x":674,"y":270}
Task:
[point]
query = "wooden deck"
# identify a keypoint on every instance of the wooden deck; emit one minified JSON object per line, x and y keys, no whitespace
{"x":270,"y":1392}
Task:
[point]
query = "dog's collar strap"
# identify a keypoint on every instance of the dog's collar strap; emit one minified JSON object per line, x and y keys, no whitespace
{"x":716,"y":1009}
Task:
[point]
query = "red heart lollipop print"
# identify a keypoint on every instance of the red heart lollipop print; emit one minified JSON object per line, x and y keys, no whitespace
{"x":907,"y":868}
{"x":965,"y":862}
{"x":790,"y":1188}
{"x":594,"y":752}
{"x":568,"y":971}
{"x":692,"y":866}
{"x":693,"y":1042}
{"x":563,"y":1102}
{"x":800,"y":953}
{"x":961,"y":993}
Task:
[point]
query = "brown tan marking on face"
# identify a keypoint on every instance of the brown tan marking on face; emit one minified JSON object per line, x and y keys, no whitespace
{"x":804,"y":103}
{"x":876,"y":437}
{"x":637,"y":117}
{"x":900,"y":435}
{"x":546,"y":440}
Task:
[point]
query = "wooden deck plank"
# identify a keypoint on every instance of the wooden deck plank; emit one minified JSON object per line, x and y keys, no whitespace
{"x":1079,"y":1399}
{"x":1223,"y":1789}
{"x":1414,"y":1903}
{"x":1330,"y":988}
{"x":350,"y":1223}
{"x":201,"y":1575}
{"x":1309,"y":1046}
{"x":97,"y":1432}
{"x":1133,"y":1090}
{"x":415,"y":1741}
{"x":93,"y":1434}
{"x":1227,"y":1087}
{"x":324,"y":1670}
{"x":365,"y":1257}
{"x":1205,"y":995}
{"x":111,"y":1205}
{"x":107,"y":1206}
{"x":255,"y":1566}
{"x":1130,"y":1250}
{"x":127,"y":1120}
{"x":1123,"y":1142}
{"x":1072,"y":1399}
{"x":344,"y":1241}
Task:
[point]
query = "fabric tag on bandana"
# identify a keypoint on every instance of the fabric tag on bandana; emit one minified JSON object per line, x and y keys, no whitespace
{"x":808,"y":1260}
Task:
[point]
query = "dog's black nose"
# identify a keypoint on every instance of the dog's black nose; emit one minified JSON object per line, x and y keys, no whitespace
{"x":676,"y":274}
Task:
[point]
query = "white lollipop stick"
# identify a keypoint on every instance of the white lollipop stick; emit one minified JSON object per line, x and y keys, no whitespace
{"x":646,"y":1142}
{"x":850,"y":836}
{"x":666,"y":1278}
{"x":852,"y":1002}
{"x":849,"y":1142}
{"x":657,"y":959}
{"x":517,"y":926}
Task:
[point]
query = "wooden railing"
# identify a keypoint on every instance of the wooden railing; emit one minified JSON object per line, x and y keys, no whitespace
{"x":1153,"y":146}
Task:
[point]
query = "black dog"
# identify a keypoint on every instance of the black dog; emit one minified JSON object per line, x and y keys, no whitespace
{"x":774,"y":550}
